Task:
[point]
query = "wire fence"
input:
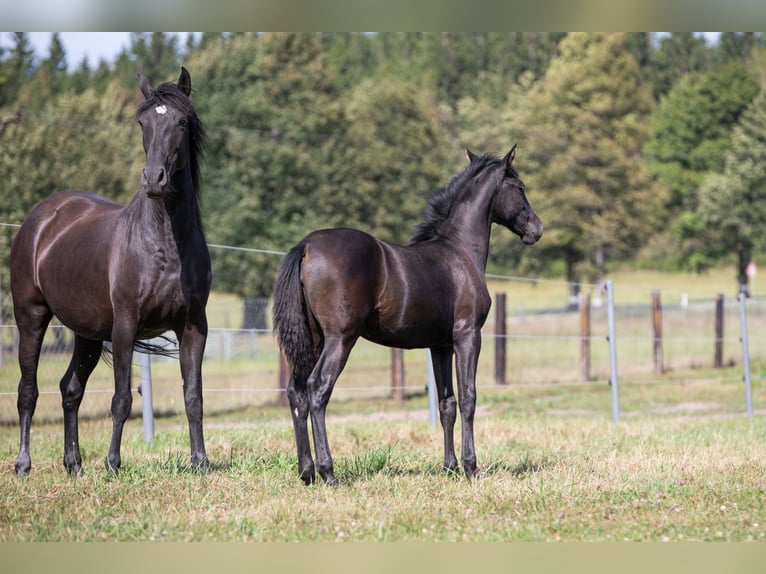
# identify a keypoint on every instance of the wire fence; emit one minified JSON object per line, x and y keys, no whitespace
{"x":527,"y":345}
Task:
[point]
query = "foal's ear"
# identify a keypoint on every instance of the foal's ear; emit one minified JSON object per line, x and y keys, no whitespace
{"x":184,"y":82}
{"x":470,"y":155}
{"x":146,"y":87}
{"x":508,"y":159}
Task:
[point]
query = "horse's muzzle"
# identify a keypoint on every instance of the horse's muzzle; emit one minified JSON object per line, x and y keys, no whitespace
{"x":533,"y":234}
{"x":154,"y":181}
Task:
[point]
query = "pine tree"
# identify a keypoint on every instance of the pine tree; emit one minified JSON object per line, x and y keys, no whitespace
{"x":583,"y":132}
{"x":732,"y":208}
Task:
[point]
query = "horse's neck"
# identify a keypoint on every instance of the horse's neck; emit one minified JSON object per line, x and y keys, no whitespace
{"x":469,"y":227}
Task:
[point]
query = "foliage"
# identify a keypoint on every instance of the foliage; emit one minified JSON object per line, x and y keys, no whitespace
{"x":583,"y":129}
{"x":732,"y":204}
{"x":311,"y":130}
{"x":691,"y":128}
{"x":270,"y":104}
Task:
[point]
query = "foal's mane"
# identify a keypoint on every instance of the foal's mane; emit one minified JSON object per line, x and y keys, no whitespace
{"x":440,"y":200}
{"x":170,"y":95}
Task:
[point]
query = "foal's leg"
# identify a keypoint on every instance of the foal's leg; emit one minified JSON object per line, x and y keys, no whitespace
{"x":467,"y":355}
{"x":320,"y":384}
{"x":122,"y":354}
{"x":299,"y":410}
{"x":32,"y":323}
{"x":441,"y":358}
{"x":85,"y":357}
{"x":191,"y":351}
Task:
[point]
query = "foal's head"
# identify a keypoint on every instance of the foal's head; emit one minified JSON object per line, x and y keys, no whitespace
{"x":510,"y":207}
{"x":173,"y":135}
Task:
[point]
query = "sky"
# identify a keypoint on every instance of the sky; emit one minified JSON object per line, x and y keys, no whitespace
{"x":95,"y":46}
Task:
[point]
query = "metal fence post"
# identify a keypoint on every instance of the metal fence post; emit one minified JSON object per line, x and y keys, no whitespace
{"x":612,"y":338}
{"x":147,"y":408}
{"x":745,"y":353}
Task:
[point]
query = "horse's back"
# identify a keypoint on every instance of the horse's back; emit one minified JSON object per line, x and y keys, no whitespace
{"x":59,"y":243}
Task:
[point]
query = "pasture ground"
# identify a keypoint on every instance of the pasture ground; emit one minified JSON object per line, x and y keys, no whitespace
{"x":554,"y":467}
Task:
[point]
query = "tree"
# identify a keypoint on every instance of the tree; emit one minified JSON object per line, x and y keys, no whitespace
{"x":49,"y":78}
{"x":270,"y":102}
{"x":679,"y":54}
{"x":732,"y":205}
{"x":583,"y":130}
{"x":392,"y":150}
{"x":691,"y":128}
{"x":16,"y":69}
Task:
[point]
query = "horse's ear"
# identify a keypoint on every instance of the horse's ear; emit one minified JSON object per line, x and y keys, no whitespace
{"x":508,"y":159}
{"x":470,"y":155}
{"x":184,"y":81}
{"x":146,"y":87}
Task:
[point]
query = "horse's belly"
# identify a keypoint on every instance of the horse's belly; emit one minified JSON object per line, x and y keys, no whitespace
{"x":413,"y":333}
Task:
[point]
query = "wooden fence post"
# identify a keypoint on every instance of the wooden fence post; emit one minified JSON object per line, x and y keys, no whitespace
{"x":284,"y":379}
{"x":500,"y":338}
{"x":397,"y":374}
{"x":584,"y":307}
{"x":718,"y":350}
{"x":659,"y":367}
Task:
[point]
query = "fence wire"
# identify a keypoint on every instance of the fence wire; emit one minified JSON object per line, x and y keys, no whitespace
{"x":543,"y":349}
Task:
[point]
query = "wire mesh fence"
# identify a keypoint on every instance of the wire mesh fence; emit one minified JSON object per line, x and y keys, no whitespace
{"x":542,"y":346}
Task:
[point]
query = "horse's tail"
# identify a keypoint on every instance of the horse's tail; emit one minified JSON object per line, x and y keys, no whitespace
{"x":168,"y":349}
{"x":290,"y":317}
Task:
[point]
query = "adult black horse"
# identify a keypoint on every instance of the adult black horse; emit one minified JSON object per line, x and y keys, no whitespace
{"x":120,"y":274}
{"x":337,"y":285}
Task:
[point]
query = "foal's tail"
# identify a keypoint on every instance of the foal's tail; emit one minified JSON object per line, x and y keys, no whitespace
{"x":290,"y":315}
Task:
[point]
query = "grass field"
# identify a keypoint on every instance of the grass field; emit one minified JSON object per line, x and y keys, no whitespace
{"x":553,"y":467}
{"x":683,"y":464}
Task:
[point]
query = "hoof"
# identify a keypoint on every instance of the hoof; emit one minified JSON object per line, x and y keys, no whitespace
{"x":22,"y":469}
{"x":201,"y":466}
{"x":74,"y":470}
{"x":112,"y":468}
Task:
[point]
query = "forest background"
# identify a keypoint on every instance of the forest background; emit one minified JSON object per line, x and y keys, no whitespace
{"x":638,"y":149}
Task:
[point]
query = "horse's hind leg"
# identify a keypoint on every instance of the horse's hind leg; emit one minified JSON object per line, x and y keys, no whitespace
{"x":85,"y":357}
{"x":299,"y":410}
{"x":32,"y":322}
{"x":320,"y":385}
{"x":441,"y":359}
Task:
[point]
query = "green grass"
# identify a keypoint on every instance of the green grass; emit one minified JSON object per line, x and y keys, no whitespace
{"x":553,"y":466}
{"x":684,"y":463}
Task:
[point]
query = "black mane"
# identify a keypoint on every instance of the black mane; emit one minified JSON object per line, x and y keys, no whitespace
{"x":439,"y":201}
{"x":170,"y":95}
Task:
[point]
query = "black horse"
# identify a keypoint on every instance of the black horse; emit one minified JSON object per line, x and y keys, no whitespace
{"x":337,"y":285}
{"x":120,"y":274}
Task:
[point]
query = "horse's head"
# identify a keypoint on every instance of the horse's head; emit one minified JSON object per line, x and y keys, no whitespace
{"x":510,"y":207}
{"x":169,"y":125}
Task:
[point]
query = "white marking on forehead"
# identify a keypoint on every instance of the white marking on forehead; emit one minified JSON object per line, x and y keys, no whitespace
{"x":161,"y":110}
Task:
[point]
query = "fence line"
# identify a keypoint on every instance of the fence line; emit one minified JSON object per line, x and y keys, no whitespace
{"x":622,"y":315}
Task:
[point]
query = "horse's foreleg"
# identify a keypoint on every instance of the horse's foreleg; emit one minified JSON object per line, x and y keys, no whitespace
{"x":85,"y":357}
{"x":30,"y":342}
{"x":299,"y":410}
{"x":320,"y":385}
{"x":122,"y":400}
{"x":467,"y":355}
{"x":192,"y":350}
{"x":441,"y":359}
